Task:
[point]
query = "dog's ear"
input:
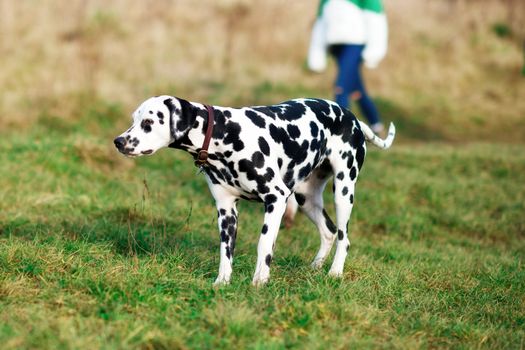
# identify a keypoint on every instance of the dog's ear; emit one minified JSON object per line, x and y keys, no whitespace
{"x":171,"y":108}
{"x":181,"y":120}
{"x":187,"y":115}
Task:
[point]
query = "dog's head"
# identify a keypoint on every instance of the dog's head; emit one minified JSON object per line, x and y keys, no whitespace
{"x":154,"y":127}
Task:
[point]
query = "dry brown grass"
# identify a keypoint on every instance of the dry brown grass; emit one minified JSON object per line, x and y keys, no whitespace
{"x":444,"y":63}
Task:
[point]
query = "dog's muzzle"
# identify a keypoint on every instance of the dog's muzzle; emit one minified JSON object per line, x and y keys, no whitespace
{"x":120,"y":143}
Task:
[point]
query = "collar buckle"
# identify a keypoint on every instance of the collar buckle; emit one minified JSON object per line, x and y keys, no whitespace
{"x":202,"y":158}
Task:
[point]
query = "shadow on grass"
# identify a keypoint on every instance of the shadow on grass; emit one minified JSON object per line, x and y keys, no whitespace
{"x":408,"y":126}
{"x":126,"y":230}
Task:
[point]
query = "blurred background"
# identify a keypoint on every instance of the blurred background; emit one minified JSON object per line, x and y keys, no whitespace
{"x":99,"y":251}
{"x":454,"y":70}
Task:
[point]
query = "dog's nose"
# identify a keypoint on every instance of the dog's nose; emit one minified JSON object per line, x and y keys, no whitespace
{"x":120,"y":142}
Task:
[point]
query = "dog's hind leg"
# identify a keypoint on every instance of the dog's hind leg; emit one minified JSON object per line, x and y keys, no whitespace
{"x":344,"y":186}
{"x":309,"y":195}
{"x":274,"y":207}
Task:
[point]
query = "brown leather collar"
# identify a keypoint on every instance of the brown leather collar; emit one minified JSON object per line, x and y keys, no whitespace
{"x":202,"y":155}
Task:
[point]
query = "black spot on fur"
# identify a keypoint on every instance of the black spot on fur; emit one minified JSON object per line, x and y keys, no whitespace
{"x":145,"y":125}
{"x":231,"y":230}
{"x":294,"y":150}
{"x":289,"y":178}
{"x":360,"y":156}
{"x":263,"y":146}
{"x":329,"y":223}
{"x":219,"y":128}
{"x":270,"y":199}
{"x":353,"y":173}
{"x":345,"y":191}
{"x":290,"y":110}
{"x":352,"y":198}
{"x":340,"y":175}
{"x":161,"y":117}
{"x":340,"y":235}
{"x":337,"y":110}
{"x":314,"y":146}
{"x":314,"y":129}
{"x":258,"y":159}
{"x":350,"y":161}
{"x":232,"y":137}
{"x":357,"y":141}
{"x":269,"y":174}
{"x":256,"y":118}
{"x":268,"y":260}
{"x":305,"y":171}
{"x":247,"y":166}
{"x":277,"y":188}
{"x":300,"y":198}
{"x":264,"y":229}
{"x":324,"y":169}
{"x":321,"y":109}
{"x":266,"y":111}
{"x":293,"y":130}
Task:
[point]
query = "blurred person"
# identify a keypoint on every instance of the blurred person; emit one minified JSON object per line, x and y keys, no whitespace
{"x":354,"y":32}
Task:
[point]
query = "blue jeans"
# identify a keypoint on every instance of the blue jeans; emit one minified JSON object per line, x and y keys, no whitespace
{"x":349,"y":80}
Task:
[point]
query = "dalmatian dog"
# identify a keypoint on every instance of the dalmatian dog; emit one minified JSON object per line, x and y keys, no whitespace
{"x":266,"y":154}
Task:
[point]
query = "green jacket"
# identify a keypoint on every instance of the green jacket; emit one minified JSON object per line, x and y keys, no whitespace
{"x":370,"y":5}
{"x":357,"y":22}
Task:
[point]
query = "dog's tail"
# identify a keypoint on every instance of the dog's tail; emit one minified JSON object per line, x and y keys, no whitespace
{"x":376,"y":140}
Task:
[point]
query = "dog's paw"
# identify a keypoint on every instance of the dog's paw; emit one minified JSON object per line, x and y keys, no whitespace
{"x":317,"y":264}
{"x":335,"y":273}
{"x":221,"y":281}
{"x":259,"y":281}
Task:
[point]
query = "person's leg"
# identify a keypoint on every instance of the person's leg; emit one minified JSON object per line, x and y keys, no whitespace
{"x":365,"y":102}
{"x":349,"y":83}
{"x":368,"y":108}
{"x":348,"y":58}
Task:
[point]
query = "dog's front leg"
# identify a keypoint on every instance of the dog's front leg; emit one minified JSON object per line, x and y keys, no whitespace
{"x":274,"y":206}
{"x":227,"y":218}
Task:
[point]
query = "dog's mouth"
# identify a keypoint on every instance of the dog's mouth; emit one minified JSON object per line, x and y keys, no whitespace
{"x":130,"y":155}
{"x":134,"y":155}
{"x":128,"y":152}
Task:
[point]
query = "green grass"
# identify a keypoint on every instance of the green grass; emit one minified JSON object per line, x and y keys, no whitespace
{"x":98,"y":251}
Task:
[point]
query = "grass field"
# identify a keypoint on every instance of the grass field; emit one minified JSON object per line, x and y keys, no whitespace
{"x":99,"y":251}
